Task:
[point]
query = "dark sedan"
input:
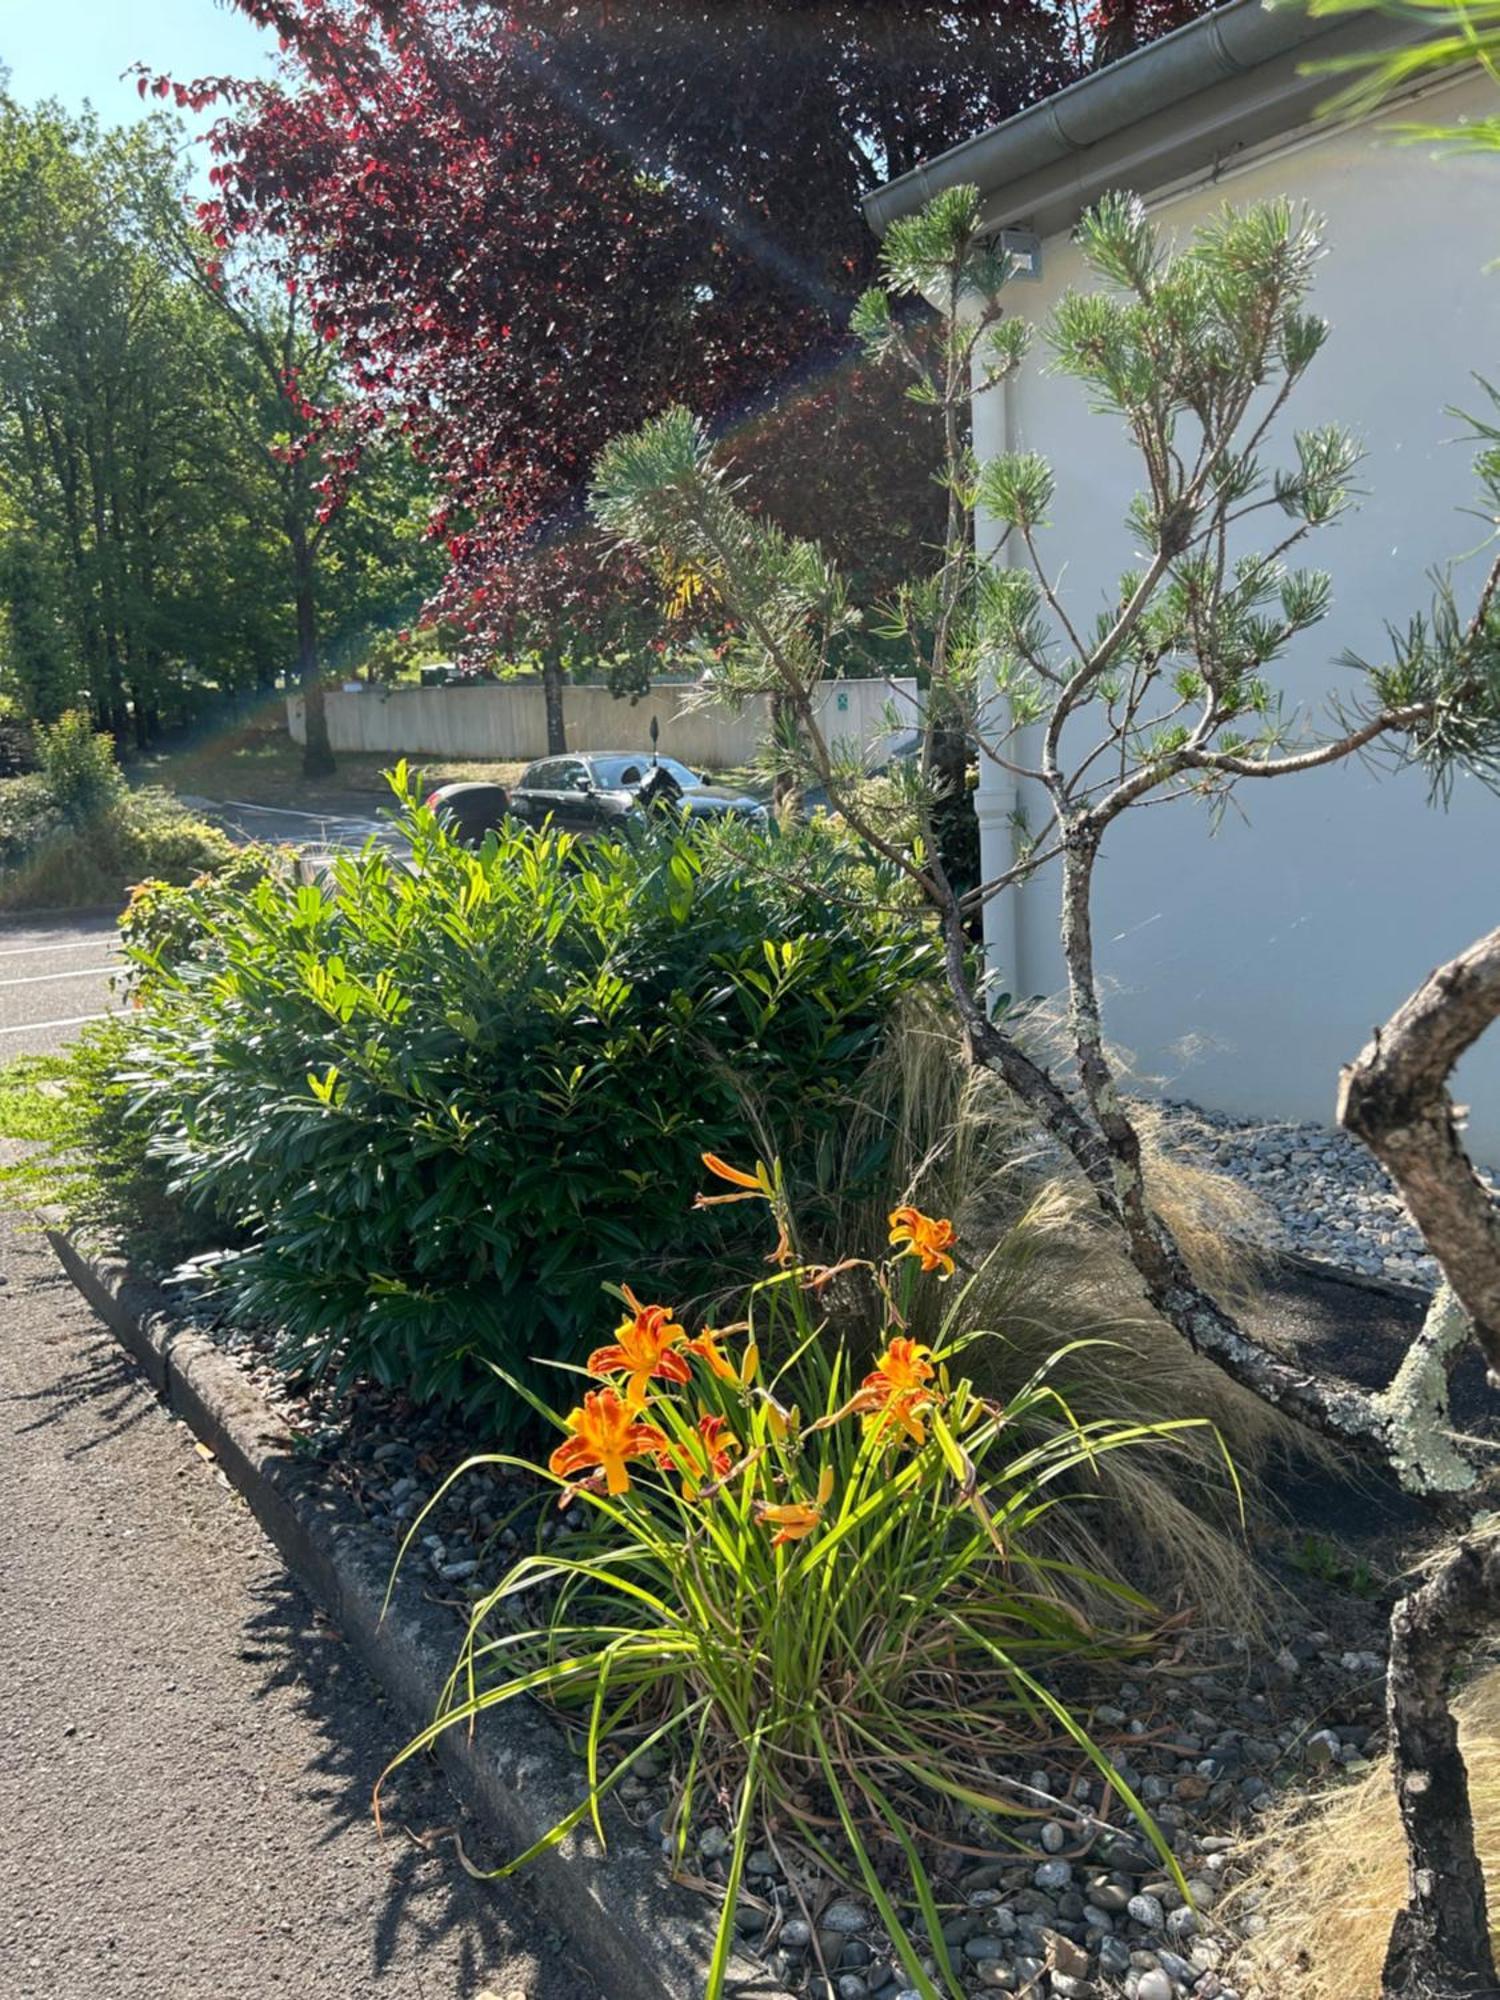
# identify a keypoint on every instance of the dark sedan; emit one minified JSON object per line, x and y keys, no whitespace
{"x":585,"y":793}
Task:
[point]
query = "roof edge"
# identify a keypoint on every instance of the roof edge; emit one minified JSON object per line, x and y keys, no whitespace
{"x":1230,"y":43}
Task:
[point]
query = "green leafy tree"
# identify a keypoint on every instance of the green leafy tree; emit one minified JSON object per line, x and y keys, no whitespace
{"x":110,"y":446}
{"x":179,"y":508}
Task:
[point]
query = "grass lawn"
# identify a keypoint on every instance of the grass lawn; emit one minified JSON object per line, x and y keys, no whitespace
{"x":258,"y":763}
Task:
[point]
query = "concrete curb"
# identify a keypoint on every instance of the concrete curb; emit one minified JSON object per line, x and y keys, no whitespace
{"x":640,"y":1935}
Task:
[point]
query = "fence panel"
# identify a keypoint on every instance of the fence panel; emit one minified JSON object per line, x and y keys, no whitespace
{"x":507,"y":722}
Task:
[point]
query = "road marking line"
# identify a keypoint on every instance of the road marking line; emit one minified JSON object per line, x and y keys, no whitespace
{"x":50,"y":978}
{"x":291,"y":812}
{"x":36,"y":950}
{"x":70,"y":1021}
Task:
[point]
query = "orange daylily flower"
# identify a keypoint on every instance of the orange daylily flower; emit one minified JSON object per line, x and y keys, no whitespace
{"x":706,"y":1348}
{"x":709,"y":1457}
{"x":644,"y":1348}
{"x":896,"y":1389}
{"x":606,"y":1433}
{"x":926,"y":1236}
{"x":796,"y":1518}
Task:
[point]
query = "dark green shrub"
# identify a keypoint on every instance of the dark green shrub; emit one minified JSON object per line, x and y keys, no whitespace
{"x":452,"y":1099}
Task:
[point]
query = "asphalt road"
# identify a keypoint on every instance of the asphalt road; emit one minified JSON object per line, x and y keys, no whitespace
{"x":187,"y":1750}
{"x":55,"y":971}
{"x":244,"y":821}
{"x":54,"y":975}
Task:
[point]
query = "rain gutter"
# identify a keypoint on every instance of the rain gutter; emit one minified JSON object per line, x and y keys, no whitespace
{"x":1225,"y":82}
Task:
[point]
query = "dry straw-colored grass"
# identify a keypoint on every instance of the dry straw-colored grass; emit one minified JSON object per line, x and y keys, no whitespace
{"x":1044,"y":1272}
{"x":1332,"y":1874}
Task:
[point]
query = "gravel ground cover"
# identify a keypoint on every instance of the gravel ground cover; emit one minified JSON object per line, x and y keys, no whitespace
{"x":1074,"y":1905}
{"x":1329,"y":1197}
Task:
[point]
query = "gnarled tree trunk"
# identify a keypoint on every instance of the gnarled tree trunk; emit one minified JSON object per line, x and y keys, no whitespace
{"x":1395,"y":1097}
{"x":1440,"y":1943}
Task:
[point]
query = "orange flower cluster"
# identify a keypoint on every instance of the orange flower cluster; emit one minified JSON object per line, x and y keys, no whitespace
{"x":608,"y":1432}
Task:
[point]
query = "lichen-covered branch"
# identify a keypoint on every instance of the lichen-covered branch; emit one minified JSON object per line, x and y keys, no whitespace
{"x":1415,"y":1406}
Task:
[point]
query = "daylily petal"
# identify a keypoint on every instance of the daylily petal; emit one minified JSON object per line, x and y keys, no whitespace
{"x":734,"y":1175}
{"x":608,"y":1361}
{"x":706,"y":1348}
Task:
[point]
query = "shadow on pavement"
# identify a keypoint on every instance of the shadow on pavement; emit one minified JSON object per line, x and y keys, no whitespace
{"x":428,"y":1895}
{"x":106,"y":1380}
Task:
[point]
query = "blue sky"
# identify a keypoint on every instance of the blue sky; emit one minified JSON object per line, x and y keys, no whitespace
{"x":76,"y":49}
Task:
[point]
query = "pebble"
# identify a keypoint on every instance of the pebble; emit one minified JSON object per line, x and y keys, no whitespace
{"x":1110,"y":1896}
{"x":1320,"y":1751}
{"x":1154,"y":1985}
{"x":1054,"y":1838}
{"x":852,"y":1987}
{"x":1053,"y":1875}
{"x":845,"y":1916}
{"x":1147,"y":1912}
{"x":1114,"y":1957}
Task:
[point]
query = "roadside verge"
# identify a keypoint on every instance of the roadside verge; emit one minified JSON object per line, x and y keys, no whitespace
{"x":640,"y":1935}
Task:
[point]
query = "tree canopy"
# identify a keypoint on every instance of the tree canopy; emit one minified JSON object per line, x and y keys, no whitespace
{"x":150,"y":425}
{"x":533,"y":225}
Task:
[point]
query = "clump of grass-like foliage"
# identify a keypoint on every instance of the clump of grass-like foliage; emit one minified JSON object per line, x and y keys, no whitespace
{"x":821,"y":1588}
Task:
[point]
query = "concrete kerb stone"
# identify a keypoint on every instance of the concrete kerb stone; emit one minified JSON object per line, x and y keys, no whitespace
{"x":641,"y":1936}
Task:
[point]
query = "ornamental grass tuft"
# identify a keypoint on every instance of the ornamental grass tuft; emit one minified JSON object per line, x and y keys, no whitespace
{"x":819,"y":1587}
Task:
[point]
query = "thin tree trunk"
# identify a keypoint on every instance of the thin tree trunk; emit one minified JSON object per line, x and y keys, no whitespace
{"x":317,"y":752}
{"x":1368,"y":1424}
{"x":552,"y":698}
{"x":1440,"y":1943}
{"x":1154,"y":1257}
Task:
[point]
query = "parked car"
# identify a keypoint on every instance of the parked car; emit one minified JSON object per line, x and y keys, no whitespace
{"x":588,"y":791}
{"x":471,"y":809}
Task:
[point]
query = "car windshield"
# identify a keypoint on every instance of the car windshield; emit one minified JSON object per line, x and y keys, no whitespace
{"x":893,"y":746}
{"x":615,"y":772}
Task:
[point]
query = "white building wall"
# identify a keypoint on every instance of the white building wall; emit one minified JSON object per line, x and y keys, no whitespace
{"x":1245,"y":966}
